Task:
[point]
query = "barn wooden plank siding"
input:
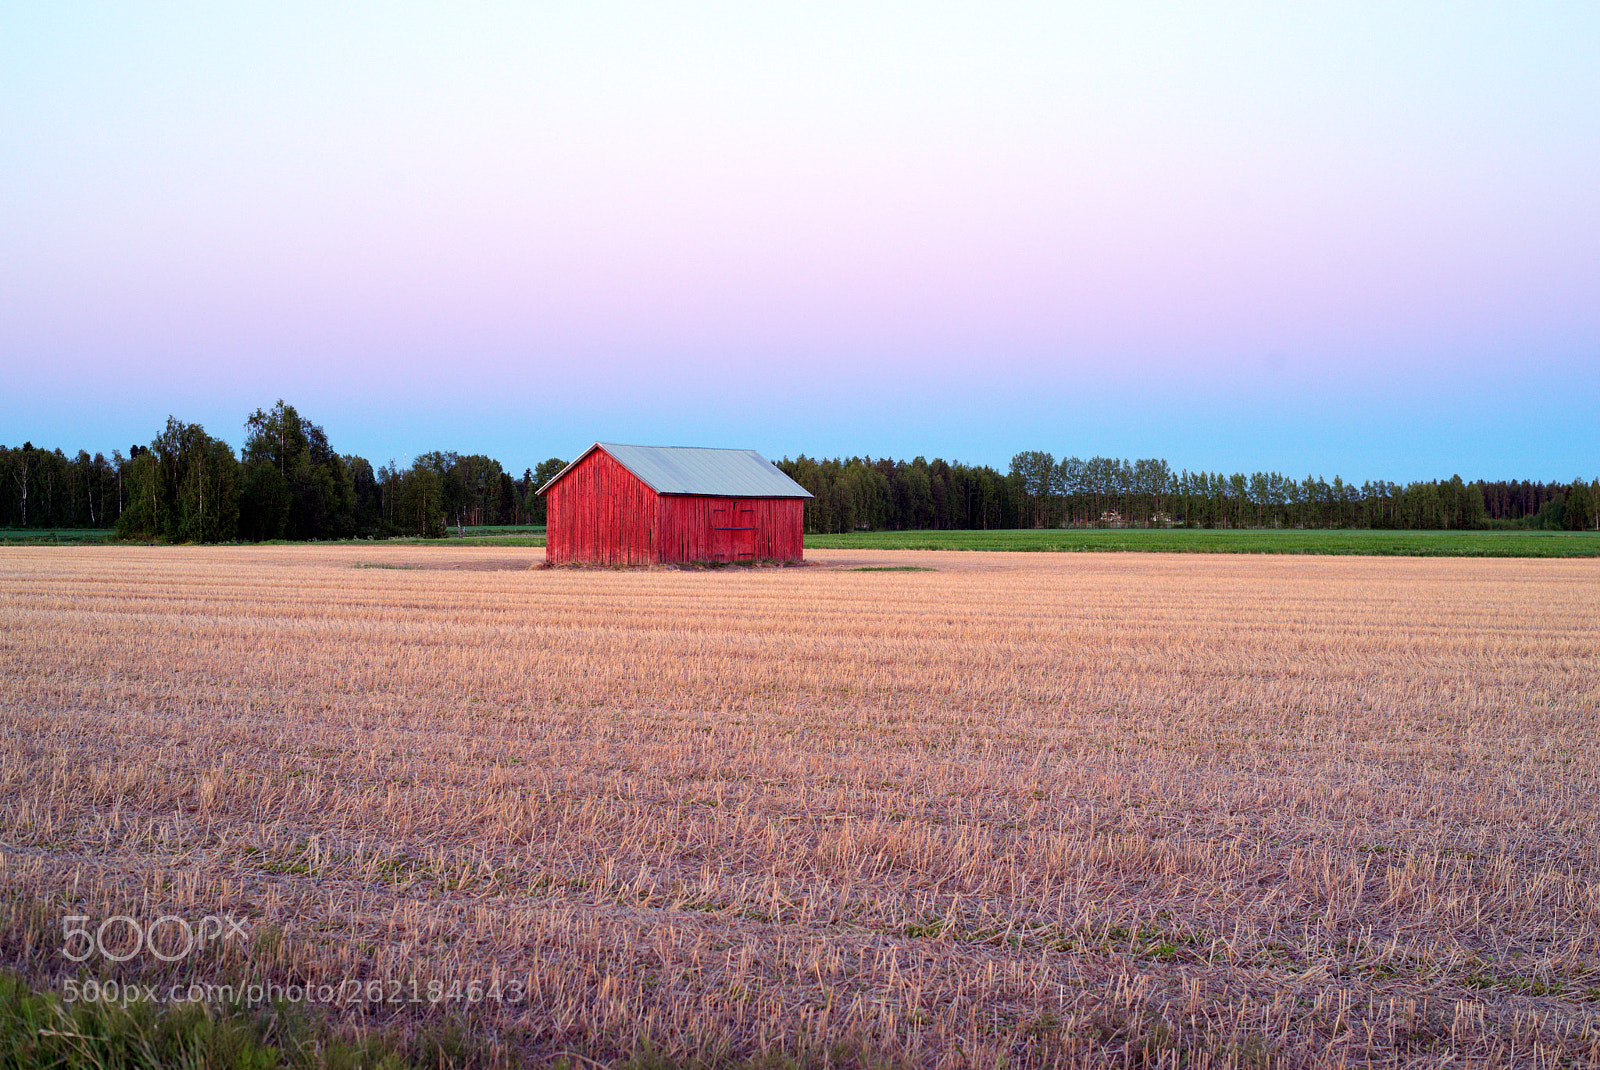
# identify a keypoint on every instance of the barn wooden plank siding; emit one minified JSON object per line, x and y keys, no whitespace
{"x":698,"y":528}
{"x":637,"y":505}
{"x":600,"y":512}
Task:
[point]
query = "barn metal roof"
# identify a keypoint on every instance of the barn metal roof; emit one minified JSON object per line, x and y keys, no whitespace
{"x":698,"y":470}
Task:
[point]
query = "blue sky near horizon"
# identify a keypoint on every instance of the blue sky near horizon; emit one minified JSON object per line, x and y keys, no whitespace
{"x":1356,"y":238}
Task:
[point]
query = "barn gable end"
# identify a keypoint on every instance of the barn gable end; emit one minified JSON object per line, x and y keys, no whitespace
{"x":629,"y":505}
{"x":600,"y":513}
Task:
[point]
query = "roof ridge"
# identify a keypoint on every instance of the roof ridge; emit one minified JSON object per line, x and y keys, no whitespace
{"x":737,"y":473}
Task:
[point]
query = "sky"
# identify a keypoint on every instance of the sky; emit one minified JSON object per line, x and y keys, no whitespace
{"x":1319,"y":238}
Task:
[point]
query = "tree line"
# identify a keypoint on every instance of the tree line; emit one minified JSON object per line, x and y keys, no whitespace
{"x":1038,"y":490}
{"x":289,"y":483}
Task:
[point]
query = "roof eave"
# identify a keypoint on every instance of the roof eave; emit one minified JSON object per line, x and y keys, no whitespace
{"x":713,"y":494}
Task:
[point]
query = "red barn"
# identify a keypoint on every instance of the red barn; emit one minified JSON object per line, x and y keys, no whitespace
{"x":640,"y":505}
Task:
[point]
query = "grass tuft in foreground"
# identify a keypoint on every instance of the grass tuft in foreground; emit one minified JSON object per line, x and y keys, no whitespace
{"x":892,"y":568}
{"x":39,"y":1031}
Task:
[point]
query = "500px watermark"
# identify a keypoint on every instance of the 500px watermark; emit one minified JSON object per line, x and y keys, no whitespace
{"x":168,"y":938}
{"x":344,"y":993}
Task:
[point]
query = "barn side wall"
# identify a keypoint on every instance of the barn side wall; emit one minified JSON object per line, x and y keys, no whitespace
{"x":688,"y":526}
{"x":600,"y":513}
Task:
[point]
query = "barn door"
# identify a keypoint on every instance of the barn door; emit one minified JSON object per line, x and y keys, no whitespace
{"x":733,"y":531}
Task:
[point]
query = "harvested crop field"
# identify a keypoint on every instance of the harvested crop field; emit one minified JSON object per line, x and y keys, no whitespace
{"x":1028,"y":809}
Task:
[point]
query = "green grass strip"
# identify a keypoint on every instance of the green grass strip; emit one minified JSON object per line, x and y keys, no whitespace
{"x":1182,"y":541}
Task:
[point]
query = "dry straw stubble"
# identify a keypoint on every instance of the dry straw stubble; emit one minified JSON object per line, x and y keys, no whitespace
{"x":1049,"y":810}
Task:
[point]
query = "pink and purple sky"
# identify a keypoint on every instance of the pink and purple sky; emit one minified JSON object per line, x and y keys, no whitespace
{"x":1353,"y":238}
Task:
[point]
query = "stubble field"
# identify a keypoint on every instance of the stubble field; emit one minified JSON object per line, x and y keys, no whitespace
{"x":1020,"y":809}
